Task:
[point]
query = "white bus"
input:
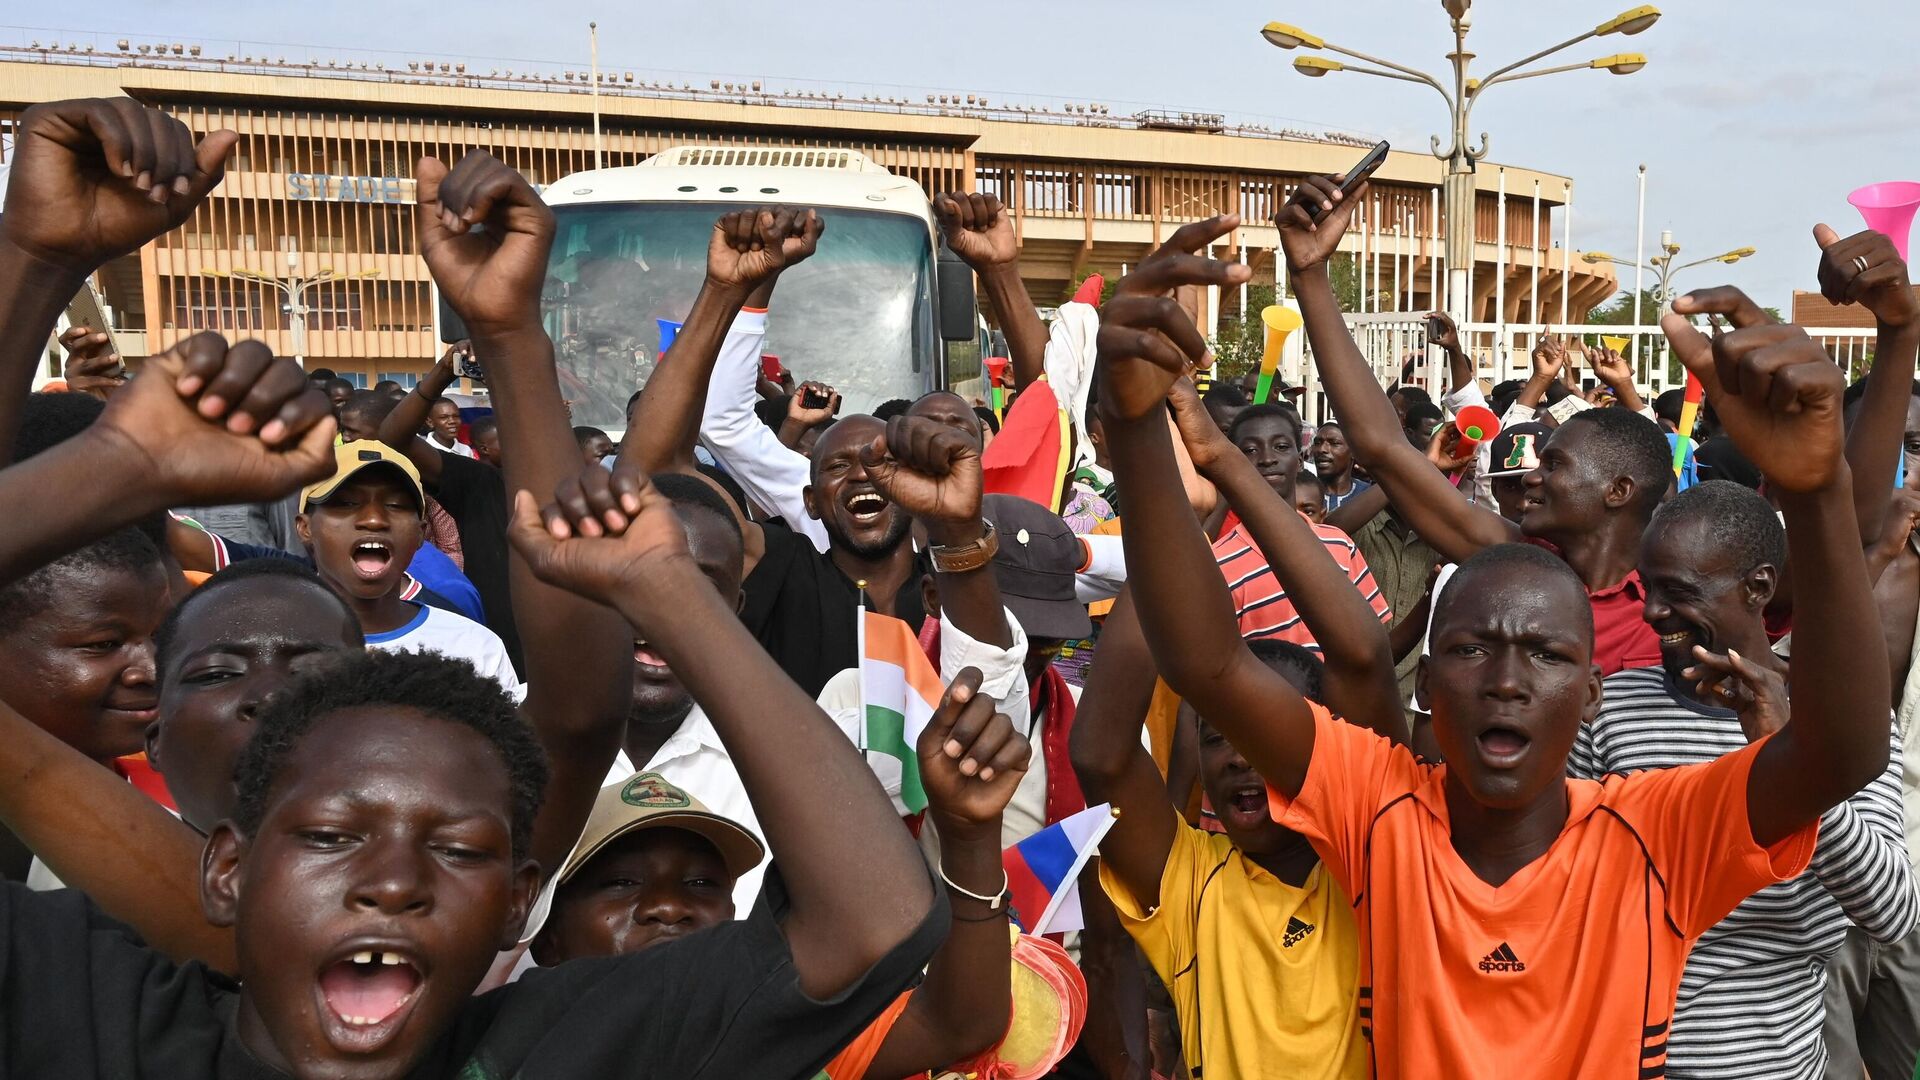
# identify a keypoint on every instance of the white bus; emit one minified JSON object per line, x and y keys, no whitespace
{"x":869,"y":313}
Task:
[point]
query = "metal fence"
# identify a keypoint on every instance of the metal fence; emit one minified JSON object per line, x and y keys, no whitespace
{"x":1395,"y":344}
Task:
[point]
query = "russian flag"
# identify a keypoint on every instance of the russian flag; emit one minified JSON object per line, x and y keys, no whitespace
{"x":1043,"y":871}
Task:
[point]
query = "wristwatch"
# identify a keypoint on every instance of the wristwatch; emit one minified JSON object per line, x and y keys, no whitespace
{"x":960,"y":558}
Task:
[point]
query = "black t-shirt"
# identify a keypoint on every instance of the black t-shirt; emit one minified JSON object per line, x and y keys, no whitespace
{"x":84,"y":997}
{"x":802,"y":608}
{"x":476,"y":495}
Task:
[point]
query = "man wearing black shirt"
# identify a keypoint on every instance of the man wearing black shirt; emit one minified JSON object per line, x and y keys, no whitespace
{"x":470,"y":490}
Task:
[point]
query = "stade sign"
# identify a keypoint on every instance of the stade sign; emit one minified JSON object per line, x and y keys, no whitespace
{"x":324,"y":187}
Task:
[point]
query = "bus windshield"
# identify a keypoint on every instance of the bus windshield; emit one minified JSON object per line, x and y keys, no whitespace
{"x":858,"y":315}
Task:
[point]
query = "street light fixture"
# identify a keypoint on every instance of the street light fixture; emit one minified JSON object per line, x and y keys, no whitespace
{"x":1461,"y":156}
{"x":295,"y":290}
{"x":1663,"y":264}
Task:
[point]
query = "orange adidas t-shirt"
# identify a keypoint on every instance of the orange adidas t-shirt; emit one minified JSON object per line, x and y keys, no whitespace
{"x":1571,"y":967}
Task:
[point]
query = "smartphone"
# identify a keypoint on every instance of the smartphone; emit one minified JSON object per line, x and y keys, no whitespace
{"x":1435,"y":329}
{"x":814,"y":399}
{"x":1358,"y":175}
{"x":770,"y":368}
{"x":467,"y":366}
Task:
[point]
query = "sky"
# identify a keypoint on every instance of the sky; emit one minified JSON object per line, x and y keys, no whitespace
{"x":1755,"y":118}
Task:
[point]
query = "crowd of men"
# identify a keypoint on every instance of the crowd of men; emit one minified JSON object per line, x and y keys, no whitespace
{"x":343,"y":735}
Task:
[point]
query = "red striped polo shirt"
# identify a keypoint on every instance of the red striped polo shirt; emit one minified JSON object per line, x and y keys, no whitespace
{"x":1262,"y":606}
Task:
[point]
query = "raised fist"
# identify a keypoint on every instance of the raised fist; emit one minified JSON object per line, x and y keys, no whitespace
{"x":210,"y":425}
{"x":95,"y":179}
{"x":751,"y":246}
{"x":600,"y":532}
{"x":485,"y":235}
{"x":971,"y":761}
{"x":978,"y":229}
{"x":926,"y":468}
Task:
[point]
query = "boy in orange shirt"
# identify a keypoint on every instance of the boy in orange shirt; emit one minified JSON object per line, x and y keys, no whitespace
{"x":1513,"y":921}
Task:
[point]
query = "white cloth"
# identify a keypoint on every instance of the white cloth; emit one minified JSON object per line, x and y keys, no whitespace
{"x":694,"y":759}
{"x":1069,"y":368}
{"x":458,"y":447}
{"x":435,"y":630}
{"x":1105,"y":570}
{"x":774,"y":476}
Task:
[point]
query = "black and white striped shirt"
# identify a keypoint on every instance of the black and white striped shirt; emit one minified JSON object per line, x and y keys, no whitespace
{"x":1750,"y":1000}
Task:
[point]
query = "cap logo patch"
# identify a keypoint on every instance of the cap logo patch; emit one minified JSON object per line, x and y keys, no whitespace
{"x":653,"y":792}
{"x":370,"y":455}
{"x":1522,"y":454}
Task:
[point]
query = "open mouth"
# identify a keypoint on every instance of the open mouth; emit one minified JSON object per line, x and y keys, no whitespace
{"x":1501,"y":746}
{"x":371,"y":558}
{"x":866,"y":507}
{"x":368,"y":996}
{"x":654,"y":664}
{"x":1250,"y":800}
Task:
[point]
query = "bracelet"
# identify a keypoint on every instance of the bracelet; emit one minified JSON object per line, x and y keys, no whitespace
{"x":996,"y":901}
{"x":993,"y":916}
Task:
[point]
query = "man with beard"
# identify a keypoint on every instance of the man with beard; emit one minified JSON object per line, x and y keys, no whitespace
{"x":1750,"y":998}
{"x":801,"y":599}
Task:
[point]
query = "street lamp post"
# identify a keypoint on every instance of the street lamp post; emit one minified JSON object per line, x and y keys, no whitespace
{"x":1460,"y":155}
{"x":1664,"y":269}
{"x":1663,"y":266}
{"x":294,"y":288}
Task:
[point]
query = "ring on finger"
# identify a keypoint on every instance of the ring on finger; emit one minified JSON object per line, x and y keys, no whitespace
{"x":1860,"y":263}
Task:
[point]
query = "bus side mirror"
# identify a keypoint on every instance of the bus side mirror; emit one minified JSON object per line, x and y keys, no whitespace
{"x":959,"y":306}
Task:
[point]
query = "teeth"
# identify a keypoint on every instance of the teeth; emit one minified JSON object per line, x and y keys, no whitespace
{"x":363,"y":957}
{"x":391,"y":959}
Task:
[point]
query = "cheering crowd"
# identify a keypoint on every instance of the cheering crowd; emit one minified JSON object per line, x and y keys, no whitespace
{"x":343,"y":735}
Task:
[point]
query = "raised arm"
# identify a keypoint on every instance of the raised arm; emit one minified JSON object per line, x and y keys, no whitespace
{"x":401,"y":428}
{"x":182,"y":432}
{"x":746,"y":254}
{"x":1864,"y":268}
{"x":1616,"y":373}
{"x":1146,"y":341}
{"x":980,"y":231}
{"x":1353,"y":642}
{"x":856,"y":882}
{"x":1112,"y":765}
{"x":1778,"y":395}
{"x":1425,"y":500}
{"x":91,"y":180}
{"x":966,"y":1002}
{"x":1460,"y":366}
{"x":578,"y":653}
{"x":932,"y":472}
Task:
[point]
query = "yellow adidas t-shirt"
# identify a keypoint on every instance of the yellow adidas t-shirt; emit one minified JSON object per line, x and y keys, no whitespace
{"x":1264,"y":975}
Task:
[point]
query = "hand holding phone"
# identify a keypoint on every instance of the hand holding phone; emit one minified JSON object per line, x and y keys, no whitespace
{"x":1357,"y":175}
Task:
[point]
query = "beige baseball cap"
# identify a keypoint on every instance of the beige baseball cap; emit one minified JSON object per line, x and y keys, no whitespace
{"x":647,"y":801}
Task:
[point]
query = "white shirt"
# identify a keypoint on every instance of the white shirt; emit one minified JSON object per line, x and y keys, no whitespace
{"x":693,"y":759}
{"x":458,"y":447}
{"x":773,"y":475}
{"x":435,"y":630}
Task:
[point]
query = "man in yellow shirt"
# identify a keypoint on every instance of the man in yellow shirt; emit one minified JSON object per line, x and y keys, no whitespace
{"x":1249,"y":932}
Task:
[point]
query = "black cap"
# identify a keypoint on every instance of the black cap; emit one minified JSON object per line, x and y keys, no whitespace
{"x":1516,"y":450}
{"x":1038,"y":560}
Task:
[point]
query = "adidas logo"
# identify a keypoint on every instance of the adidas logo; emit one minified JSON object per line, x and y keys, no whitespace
{"x":1502,"y":959}
{"x":1296,"y":932}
